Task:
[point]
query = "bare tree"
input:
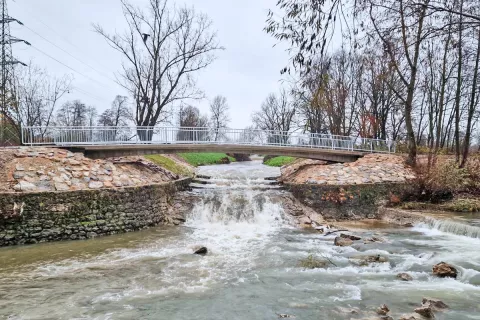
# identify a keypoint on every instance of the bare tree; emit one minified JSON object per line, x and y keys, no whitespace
{"x":73,"y":114}
{"x":219,"y":117}
{"x":473,"y":104}
{"x":38,"y":96}
{"x":276,"y":116}
{"x":92,"y":115}
{"x":401,"y":27}
{"x":117,"y":115}
{"x":163,"y":48}
{"x":194,"y":124}
{"x":117,"y":118}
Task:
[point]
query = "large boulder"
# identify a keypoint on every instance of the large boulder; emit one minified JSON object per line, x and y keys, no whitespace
{"x":444,"y":270}
{"x":435,"y":304}
{"x":201,"y":251}
{"x":404,"y":276}
{"x":342,"y":242}
{"x":350,"y":236}
{"x":383,"y":310}
{"x":425,"y":311}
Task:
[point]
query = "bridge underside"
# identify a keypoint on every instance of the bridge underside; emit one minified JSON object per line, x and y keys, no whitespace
{"x":103,"y":151}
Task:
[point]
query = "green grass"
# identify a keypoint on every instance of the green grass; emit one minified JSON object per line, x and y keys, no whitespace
{"x":169,"y":164}
{"x":202,"y":159}
{"x":455,"y":205}
{"x":279,"y":161}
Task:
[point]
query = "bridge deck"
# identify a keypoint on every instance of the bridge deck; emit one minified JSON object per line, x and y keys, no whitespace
{"x":103,"y":142}
{"x":108,"y":151}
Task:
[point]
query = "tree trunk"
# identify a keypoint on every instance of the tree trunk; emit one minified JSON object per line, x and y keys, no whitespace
{"x":471,"y":109}
{"x":459,"y":87}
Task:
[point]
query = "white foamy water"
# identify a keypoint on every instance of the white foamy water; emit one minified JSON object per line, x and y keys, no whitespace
{"x":250,"y":272}
{"x":452,"y":227}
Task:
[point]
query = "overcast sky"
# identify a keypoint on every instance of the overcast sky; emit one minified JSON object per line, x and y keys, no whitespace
{"x":245,"y":73}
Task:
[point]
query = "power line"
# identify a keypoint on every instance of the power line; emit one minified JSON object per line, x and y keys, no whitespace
{"x":71,"y":55}
{"x":102,"y":100}
{"x":67,"y":66}
{"x":53,"y":58}
{"x":63,"y":38}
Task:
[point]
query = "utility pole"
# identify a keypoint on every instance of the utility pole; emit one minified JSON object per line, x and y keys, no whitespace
{"x":9,"y":126}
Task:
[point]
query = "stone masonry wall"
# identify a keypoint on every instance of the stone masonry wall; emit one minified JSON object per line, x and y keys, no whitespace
{"x":27,"y":218}
{"x":347,"y":202}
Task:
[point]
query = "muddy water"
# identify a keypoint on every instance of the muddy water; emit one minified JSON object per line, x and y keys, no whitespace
{"x":250,"y":272}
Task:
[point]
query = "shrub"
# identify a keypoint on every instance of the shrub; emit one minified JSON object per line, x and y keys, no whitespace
{"x":442,"y":181}
{"x":473,"y":169}
{"x":463,"y":205}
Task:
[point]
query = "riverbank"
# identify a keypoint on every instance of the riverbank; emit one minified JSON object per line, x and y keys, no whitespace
{"x":349,"y":191}
{"x":50,"y":194}
{"x":35,"y":217}
{"x":39,"y":169}
{"x":256,"y":257}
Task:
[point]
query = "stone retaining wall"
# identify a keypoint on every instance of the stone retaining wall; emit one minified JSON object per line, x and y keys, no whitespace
{"x":348,"y":202}
{"x":27,"y":218}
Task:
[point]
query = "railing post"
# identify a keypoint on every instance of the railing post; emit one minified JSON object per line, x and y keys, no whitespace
{"x":21,"y":134}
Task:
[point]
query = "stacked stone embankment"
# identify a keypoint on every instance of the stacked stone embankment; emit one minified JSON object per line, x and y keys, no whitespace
{"x":49,"y":194}
{"x":371,"y":169}
{"x":349,"y":191}
{"x":32,"y":217}
{"x":51,"y":169}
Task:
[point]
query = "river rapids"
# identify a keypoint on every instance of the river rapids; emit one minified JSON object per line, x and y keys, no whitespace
{"x":251,"y":270}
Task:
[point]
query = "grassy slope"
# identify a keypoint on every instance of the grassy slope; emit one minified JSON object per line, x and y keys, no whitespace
{"x":169,"y":164}
{"x":279,"y":161}
{"x":201,"y":159}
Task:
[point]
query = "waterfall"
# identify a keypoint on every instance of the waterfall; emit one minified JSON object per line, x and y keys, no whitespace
{"x":452,"y":227}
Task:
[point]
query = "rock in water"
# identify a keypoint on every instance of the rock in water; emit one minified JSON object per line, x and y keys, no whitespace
{"x":444,"y":270}
{"x":425,"y":311}
{"x":342,"y":242}
{"x":201,"y":251}
{"x":366,"y":260}
{"x":437,"y":305}
{"x":350,"y":236}
{"x":383,"y":310}
{"x":404,"y":277}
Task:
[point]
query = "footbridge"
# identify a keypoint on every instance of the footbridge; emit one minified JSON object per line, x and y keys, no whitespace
{"x":105,"y":142}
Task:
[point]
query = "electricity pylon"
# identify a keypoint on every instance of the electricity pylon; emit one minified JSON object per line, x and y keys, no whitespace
{"x":9,"y":105}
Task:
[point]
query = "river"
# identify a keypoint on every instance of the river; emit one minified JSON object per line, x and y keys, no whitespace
{"x":251,"y":270}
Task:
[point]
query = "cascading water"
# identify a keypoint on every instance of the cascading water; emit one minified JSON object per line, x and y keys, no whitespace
{"x":251,"y":270}
{"x":452,"y":227}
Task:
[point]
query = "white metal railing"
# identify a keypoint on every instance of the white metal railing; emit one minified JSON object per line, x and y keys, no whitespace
{"x":130,"y":135}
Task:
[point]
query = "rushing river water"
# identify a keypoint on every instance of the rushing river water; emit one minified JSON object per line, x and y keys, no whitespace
{"x":250,"y":272}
